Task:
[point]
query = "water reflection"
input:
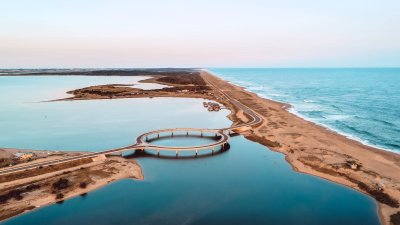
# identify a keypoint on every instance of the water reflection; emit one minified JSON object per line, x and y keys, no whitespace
{"x":187,"y":155}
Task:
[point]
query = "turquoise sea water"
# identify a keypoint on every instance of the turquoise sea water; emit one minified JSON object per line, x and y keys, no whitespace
{"x":247,"y":184}
{"x":363,"y":104}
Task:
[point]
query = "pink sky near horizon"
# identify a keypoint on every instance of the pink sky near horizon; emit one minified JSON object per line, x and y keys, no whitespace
{"x":199,"y":34}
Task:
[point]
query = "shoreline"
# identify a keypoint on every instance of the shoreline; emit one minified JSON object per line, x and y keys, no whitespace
{"x":94,"y":173}
{"x":288,"y":106}
{"x":343,"y":177}
{"x":292,"y":109}
{"x":75,"y":195}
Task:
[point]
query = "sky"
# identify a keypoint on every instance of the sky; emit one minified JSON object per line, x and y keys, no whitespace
{"x":202,"y":33}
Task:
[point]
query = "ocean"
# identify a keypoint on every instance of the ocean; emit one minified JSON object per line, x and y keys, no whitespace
{"x":360,"y":103}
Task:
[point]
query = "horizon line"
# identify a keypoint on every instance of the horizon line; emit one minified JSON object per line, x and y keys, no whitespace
{"x":223,"y":67}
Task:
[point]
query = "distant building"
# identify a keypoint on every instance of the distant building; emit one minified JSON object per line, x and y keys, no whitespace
{"x":213,"y":106}
{"x":24,"y":155}
{"x":354,"y":166}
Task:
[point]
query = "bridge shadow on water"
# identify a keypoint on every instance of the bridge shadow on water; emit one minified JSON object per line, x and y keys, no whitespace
{"x":153,"y":154}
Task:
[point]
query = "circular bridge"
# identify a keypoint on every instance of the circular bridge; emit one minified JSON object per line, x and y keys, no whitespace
{"x":142,"y":141}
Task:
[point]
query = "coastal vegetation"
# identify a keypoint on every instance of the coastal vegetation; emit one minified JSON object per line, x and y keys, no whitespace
{"x":53,"y":184}
{"x":179,"y":85}
{"x":43,"y":170}
{"x":100,"y":72}
{"x":62,"y":183}
{"x":17,"y":194}
{"x":183,"y":79}
{"x":395,"y":218}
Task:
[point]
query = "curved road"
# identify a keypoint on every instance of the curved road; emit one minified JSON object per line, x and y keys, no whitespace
{"x":142,"y":144}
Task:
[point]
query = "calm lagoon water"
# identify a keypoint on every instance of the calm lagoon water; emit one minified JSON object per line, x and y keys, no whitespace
{"x":363,"y":104}
{"x":246,"y":184}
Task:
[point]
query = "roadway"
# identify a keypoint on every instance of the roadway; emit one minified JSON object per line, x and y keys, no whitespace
{"x":223,"y":134}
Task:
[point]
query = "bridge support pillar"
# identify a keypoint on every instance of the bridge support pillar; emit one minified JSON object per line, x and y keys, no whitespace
{"x":176,"y":153}
{"x":158,"y":153}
